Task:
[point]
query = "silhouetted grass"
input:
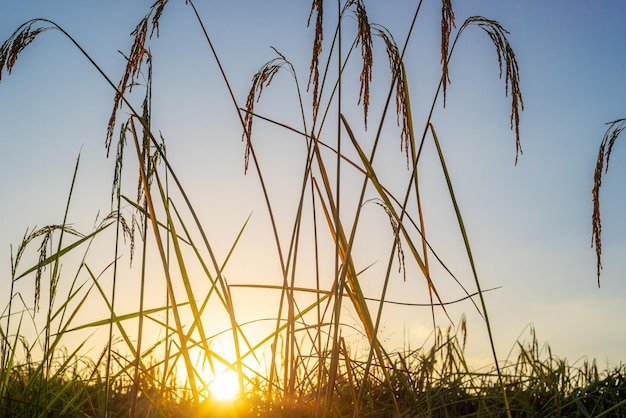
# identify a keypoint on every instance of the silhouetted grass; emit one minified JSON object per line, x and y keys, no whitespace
{"x":302,"y":366}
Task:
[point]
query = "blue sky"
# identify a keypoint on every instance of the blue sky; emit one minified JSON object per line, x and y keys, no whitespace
{"x":530,"y":224}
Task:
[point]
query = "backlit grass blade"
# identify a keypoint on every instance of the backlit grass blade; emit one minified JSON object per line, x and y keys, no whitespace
{"x":121,"y":318}
{"x":164,"y":261}
{"x":224,"y":299}
{"x":471,"y":260}
{"x":381,"y":193}
{"x":354,"y":292}
{"x":159,"y":223}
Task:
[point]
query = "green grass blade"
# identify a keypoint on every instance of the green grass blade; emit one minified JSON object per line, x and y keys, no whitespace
{"x":471,"y":260}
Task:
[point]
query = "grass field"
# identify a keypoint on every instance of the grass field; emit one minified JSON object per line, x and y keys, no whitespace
{"x":164,"y":359}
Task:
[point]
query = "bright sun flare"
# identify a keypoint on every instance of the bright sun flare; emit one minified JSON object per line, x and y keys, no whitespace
{"x":225,"y":386}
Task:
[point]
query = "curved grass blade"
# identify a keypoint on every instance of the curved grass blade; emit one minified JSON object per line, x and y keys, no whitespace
{"x":472,"y":264}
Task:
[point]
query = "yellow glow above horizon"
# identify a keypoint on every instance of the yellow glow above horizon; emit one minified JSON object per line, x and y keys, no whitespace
{"x":225,"y":386}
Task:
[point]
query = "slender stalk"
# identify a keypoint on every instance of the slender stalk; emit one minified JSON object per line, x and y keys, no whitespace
{"x":474,"y":271}
{"x":54,"y":277}
{"x":145,"y":165}
{"x":170,"y":287}
{"x":338,"y":281}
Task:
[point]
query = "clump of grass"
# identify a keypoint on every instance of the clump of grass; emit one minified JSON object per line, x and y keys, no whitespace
{"x":433,"y":380}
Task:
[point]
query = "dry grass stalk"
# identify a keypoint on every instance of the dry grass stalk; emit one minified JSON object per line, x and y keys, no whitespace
{"x":447,"y":23}
{"x":20,"y":39}
{"x":396,"y":233}
{"x":604,"y":153}
{"x":317,"y":6}
{"x":397,"y":73}
{"x":135,"y":59}
{"x":505,"y":53}
{"x":260,"y":80}
{"x":43,"y":259}
{"x":364,"y":38}
{"x":507,"y":59}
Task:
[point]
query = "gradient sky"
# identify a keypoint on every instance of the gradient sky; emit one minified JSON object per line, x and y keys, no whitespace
{"x":530,"y":224}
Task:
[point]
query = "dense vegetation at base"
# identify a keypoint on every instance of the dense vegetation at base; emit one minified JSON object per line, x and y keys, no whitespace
{"x":432,"y":383}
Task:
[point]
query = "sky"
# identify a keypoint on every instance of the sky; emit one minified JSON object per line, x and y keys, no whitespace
{"x":529,"y":224}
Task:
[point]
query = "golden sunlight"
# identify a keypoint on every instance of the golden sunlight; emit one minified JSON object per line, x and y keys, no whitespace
{"x":225,"y":386}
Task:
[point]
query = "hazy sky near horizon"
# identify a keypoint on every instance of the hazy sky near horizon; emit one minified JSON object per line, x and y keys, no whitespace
{"x":530,"y":224}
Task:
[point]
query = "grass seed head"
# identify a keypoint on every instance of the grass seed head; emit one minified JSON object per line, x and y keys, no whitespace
{"x":260,"y":80}
{"x":364,"y":38}
{"x":15,"y":44}
{"x":135,"y":60}
{"x":506,"y":59}
{"x":317,"y":6}
{"x":396,"y":233}
{"x":397,"y":72}
{"x":604,"y":154}
{"x":43,"y":251}
{"x":447,"y":23}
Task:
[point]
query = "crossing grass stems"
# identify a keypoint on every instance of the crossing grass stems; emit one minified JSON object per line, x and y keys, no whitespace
{"x":311,"y":369}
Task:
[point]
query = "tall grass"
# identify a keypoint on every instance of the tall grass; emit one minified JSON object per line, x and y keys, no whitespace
{"x":303,"y":364}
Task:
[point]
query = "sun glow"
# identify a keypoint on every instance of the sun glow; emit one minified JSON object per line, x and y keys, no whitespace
{"x":225,"y":386}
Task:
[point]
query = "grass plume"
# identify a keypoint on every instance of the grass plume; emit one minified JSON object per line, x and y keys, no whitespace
{"x":613,"y":131}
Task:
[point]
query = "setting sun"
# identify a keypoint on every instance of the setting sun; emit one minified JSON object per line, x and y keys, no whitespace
{"x":225,"y":386}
